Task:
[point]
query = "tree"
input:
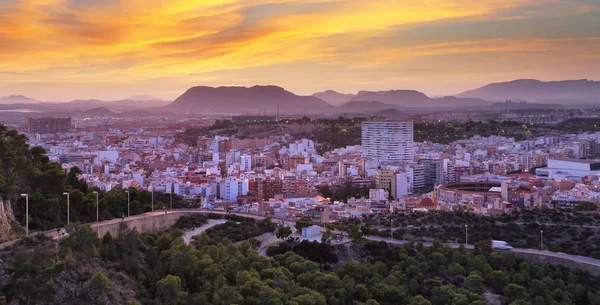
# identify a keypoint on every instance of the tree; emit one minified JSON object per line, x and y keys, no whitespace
{"x":168,"y":291}
{"x":354,"y":232}
{"x":302,"y":224}
{"x":586,"y":206}
{"x":98,"y":286}
{"x":284,"y":232}
{"x":475,"y":283}
{"x":419,"y":300}
{"x":498,"y":279}
{"x":514,"y":292}
{"x":82,"y":241}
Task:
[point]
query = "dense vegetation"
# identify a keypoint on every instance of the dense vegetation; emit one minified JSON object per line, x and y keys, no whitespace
{"x":132,"y":268}
{"x":239,"y":230}
{"x":568,"y":232}
{"x":28,"y":170}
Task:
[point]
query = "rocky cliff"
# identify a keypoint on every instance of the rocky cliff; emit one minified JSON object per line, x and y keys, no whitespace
{"x":9,"y":227}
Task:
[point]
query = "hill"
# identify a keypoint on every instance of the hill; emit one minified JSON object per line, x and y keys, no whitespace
{"x":365,"y":107}
{"x":533,"y":89}
{"x":143,"y":97}
{"x":416,"y":99}
{"x":333,"y":97}
{"x":17,"y":99}
{"x":98,"y":111}
{"x":391,"y":114}
{"x":245,"y":99}
{"x":410,"y":98}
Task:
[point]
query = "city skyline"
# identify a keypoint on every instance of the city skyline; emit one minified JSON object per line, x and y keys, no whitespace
{"x":64,"y":50}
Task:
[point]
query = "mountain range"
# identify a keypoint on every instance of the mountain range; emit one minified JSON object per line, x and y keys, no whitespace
{"x":256,"y":99}
{"x":17,"y":99}
{"x":535,"y":90}
{"x":270,"y":99}
{"x":334,"y":98}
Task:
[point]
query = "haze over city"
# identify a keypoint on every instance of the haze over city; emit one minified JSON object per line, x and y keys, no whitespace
{"x":60,"y":50}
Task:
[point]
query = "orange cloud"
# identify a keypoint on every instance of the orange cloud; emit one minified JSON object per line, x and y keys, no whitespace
{"x":220,"y":42}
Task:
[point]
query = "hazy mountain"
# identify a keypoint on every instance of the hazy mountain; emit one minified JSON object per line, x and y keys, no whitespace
{"x":524,"y":105}
{"x":364,"y":107}
{"x":532,"y":89}
{"x":17,"y":99}
{"x":416,"y":99}
{"x":333,"y":97}
{"x":98,"y":111}
{"x":410,"y":98}
{"x":391,"y":114}
{"x":143,"y":97}
{"x":253,"y":100}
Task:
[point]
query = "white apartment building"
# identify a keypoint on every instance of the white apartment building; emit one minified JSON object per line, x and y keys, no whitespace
{"x":569,"y":168}
{"x":246,"y":163}
{"x":387,"y":141}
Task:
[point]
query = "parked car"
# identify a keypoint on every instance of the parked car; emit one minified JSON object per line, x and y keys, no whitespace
{"x":500,"y":245}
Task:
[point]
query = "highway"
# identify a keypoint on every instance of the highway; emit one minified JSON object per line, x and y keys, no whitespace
{"x":291,"y":223}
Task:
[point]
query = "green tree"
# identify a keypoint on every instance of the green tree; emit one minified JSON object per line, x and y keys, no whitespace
{"x":284,"y":232}
{"x":168,"y":291}
{"x":98,"y":286}
{"x":419,"y":300}
{"x":498,"y":279}
{"x":514,"y":292}
{"x":586,"y":206}
{"x":475,"y":283}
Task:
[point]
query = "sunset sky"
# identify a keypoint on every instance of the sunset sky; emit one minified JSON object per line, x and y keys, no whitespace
{"x":68,"y":49}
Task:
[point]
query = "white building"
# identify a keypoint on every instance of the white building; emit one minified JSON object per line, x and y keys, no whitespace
{"x":387,"y":141}
{"x":246,"y":163}
{"x":569,"y":168}
{"x":231,"y":188}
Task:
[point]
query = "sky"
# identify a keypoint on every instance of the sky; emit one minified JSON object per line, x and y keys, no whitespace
{"x":110,"y":49}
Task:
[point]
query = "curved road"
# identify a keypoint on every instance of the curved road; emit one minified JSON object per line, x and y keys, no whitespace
{"x":574,"y":258}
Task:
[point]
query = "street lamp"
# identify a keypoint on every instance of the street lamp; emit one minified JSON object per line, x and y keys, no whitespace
{"x":391,"y":229}
{"x":68,"y":208}
{"x":466,"y":236}
{"x":541,"y":240}
{"x":95,"y":192}
{"x":26,"y":213}
{"x":128,"y":212}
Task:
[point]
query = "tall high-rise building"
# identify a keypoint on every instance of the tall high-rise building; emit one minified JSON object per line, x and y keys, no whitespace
{"x":387,"y":141}
{"x":434,"y":172}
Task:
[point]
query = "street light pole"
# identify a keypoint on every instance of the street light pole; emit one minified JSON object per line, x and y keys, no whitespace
{"x":68,"y":208}
{"x":541,"y":240}
{"x":95,"y":192}
{"x":128,"y":211}
{"x":391,"y":229}
{"x":466,"y":236}
{"x":26,"y":213}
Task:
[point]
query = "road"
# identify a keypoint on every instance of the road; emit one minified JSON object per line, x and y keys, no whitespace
{"x":187,"y":236}
{"x":574,"y":258}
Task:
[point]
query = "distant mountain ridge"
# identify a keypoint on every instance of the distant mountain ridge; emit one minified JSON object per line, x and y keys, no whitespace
{"x":18,"y":99}
{"x":143,"y":97}
{"x":256,"y":99}
{"x":415,"y":99}
{"x":535,"y":90}
{"x":333,"y":97}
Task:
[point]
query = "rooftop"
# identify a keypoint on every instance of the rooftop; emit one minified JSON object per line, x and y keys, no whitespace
{"x":579,"y":161}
